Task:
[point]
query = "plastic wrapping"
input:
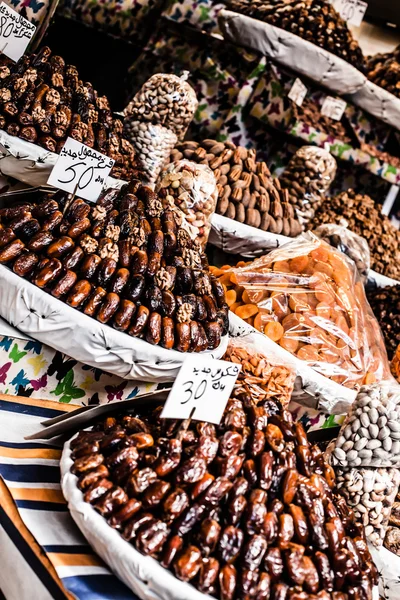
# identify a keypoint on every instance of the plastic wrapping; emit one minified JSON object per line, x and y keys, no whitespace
{"x":307,"y":178}
{"x":308,"y":298}
{"x":165,"y":99}
{"x":193,"y":189}
{"x":153,"y":143}
{"x":370,"y":434}
{"x":265,"y":377}
{"x":348,"y":242}
{"x":395,"y":364}
{"x":370,"y":493}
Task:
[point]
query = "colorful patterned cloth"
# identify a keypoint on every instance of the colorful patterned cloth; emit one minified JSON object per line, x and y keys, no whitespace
{"x":33,"y":10}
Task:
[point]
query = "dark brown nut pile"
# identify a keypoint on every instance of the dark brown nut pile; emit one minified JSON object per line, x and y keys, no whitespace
{"x":384,"y":70}
{"x":392,"y":538}
{"x":126,"y":262}
{"x":243,"y":510}
{"x":246,"y":190}
{"x":313,"y":20}
{"x":310,"y":113}
{"x":42,"y":100}
{"x":307,"y":178}
{"x":364,"y":218}
{"x":385,"y":303}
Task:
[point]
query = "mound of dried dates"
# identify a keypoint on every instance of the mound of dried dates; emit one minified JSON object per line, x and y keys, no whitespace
{"x":42,"y":100}
{"x":364,"y":217}
{"x":246,"y":190}
{"x":125,"y":261}
{"x":243,"y":510}
{"x":384,"y":70}
{"x":313,"y":20}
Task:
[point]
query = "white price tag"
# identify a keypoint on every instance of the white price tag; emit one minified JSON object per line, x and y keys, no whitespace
{"x":15,"y":32}
{"x":352,"y":11}
{"x":298,"y":92}
{"x":82,"y":168}
{"x":201,"y":390}
{"x":333,"y":108}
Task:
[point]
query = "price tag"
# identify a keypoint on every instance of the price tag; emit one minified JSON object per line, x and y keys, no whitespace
{"x":298,"y":92}
{"x":201,"y":390}
{"x":352,"y":11}
{"x":15,"y":32}
{"x":333,"y":108}
{"x":82,"y":169}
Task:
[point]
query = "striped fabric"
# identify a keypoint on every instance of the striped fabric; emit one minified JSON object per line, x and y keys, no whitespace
{"x":43,"y":553}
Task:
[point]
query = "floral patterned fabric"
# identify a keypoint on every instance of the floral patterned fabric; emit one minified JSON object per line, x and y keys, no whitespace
{"x":33,"y":10}
{"x":30,"y":368}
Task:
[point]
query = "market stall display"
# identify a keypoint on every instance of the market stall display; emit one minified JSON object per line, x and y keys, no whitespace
{"x":364,"y":218}
{"x":246,"y":190}
{"x":392,"y":538}
{"x":42,"y":100}
{"x":193,"y":189}
{"x":314,"y":20}
{"x":384,"y":70}
{"x":307,"y":298}
{"x":385,"y":303}
{"x":308,"y":178}
{"x":157,"y":117}
{"x":244,"y":507}
{"x":125,"y":261}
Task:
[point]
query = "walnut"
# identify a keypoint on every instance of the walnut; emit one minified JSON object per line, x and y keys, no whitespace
{"x":20,"y":85}
{"x":191,"y":258}
{"x":118,"y":126}
{"x":60,"y":119}
{"x":183,"y":238}
{"x":53,"y":97}
{"x":57,"y":80}
{"x":163,"y":279}
{"x":4,"y":72}
{"x":99,"y":213}
{"x":138,"y":236}
{"x":184,"y":313}
{"x":79,"y":131}
{"x":38,"y":114}
{"x":88,"y":244}
{"x":112,"y":232}
{"x":93,"y":115}
{"x":203,"y":285}
{"x":154,"y":207}
{"x":31,"y":75}
{"x":5,"y":95}
{"x":108,"y":250}
{"x":83,"y":91}
{"x":102,"y":103}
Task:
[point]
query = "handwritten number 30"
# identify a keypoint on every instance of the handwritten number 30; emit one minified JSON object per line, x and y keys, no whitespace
{"x":197,"y":393}
{"x":89,"y":174}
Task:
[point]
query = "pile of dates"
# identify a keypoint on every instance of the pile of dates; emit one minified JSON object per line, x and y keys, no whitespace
{"x":43,"y":101}
{"x":242,"y":510}
{"x":125,"y":261}
{"x":314,"y":20}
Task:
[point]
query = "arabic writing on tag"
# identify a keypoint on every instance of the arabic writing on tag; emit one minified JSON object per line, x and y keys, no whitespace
{"x":81,"y":169}
{"x":201,"y":390}
{"x":15,"y":32}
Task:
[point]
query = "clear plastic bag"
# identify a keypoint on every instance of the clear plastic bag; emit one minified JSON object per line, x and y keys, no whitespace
{"x":348,"y":242}
{"x":307,"y":178}
{"x":395,"y":364}
{"x":307,"y":297}
{"x":165,"y":99}
{"x":370,"y":493}
{"x":193,"y":189}
{"x":264,"y":377}
{"x":370,"y":434}
{"x":153,"y":144}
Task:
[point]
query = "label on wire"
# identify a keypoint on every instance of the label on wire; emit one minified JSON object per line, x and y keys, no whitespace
{"x":333,"y":108}
{"x":201,"y":390}
{"x":352,"y":11}
{"x":82,"y":168}
{"x":298,"y":92}
{"x":15,"y":32}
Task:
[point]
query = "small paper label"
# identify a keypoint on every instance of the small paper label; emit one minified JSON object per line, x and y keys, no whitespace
{"x":15,"y":32}
{"x":298,"y":92}
{"x":82,"y":169}
{"x":352,"y":11}
{"x":333,"y":108}
{"x":201,"y":390}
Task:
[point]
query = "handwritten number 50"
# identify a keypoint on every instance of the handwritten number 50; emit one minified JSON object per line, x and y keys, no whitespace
{"x":195,"y":394}
{"x":85,"y":178}
{"x":6,"y":29}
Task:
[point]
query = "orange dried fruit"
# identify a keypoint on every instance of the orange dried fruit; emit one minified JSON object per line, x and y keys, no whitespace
{"x":323,"y":310}
{"x":294,"y":321}
{"x":230,"y":297}
{"x":280,"y":305}
{"x":341,"y":323}
{"x":282,"y":266}
{"x":289,"y":343}
{"x":298,"y":302}
{"x":321,"y":253}
{"x":299,"y":264}
{"x":261,"y":319}
{"x":274,"y":330}
{"x":246,"y":311}
{"x":225,"y":278}
{"x":321,"y":267}
{"x":308,"y":352}
{"x":235,"y":306}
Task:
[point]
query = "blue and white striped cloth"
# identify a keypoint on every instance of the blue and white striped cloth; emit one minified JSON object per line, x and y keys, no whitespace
{"x":43,"y":554}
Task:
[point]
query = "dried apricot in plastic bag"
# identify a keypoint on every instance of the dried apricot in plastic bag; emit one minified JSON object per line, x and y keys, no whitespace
{"x":274,"y":330}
